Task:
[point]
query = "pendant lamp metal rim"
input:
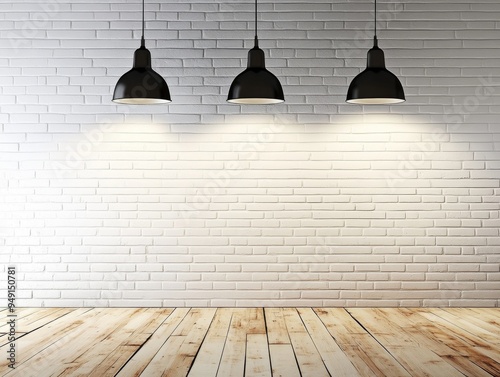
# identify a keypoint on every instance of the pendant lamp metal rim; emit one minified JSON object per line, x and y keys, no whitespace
{"x":256,"y":101}
{"x":141,"y":101}
{"x":375,"y":101}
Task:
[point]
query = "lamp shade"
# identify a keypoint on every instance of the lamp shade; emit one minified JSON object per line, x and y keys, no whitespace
{"x":256,"y":85}
{"x":375,"y":85}
{"x":141,"y":85}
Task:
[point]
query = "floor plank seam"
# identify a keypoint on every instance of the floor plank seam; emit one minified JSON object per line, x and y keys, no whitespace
{"x":145,"y":342}
{"x":135,"y":352}
{"x":23,"y":334}
{"x":267,"y":337}
{"x":202,"y":341}
{"x":294,"y":353}
{"x":313,"y":342}
{"x":375,"y":338}
{"x":225,"y":342}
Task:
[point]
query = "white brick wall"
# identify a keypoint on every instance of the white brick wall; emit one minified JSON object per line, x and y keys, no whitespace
{"x":313,"y":202}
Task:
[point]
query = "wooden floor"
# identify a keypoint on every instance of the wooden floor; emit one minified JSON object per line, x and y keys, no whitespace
{"x":254,"y":342}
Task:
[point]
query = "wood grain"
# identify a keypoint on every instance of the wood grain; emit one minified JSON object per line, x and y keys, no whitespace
{"x":257,"y":342}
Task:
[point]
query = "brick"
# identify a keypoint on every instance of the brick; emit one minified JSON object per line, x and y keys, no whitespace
{"x":313,"y":202}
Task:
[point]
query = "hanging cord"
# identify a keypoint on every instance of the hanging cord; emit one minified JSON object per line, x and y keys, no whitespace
{"x":142,"y":37}
{"x":375,"y":41}
{"x":256,"y":38}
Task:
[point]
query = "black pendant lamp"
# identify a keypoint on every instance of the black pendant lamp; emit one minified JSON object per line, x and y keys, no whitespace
{"x":141,"y":85}
{"x":256,"y":85}
{"x":375,"y":85}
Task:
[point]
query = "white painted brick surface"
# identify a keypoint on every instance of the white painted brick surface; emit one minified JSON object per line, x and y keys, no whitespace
{"x":202,"y":203}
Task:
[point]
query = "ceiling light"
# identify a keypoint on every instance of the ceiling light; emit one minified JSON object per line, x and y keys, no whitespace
{"x":375,"y":85}
{"x":141,"y":85}
{"x":256,"y":85}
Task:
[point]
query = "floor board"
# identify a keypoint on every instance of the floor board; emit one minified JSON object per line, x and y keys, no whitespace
{"x":256,"y":342}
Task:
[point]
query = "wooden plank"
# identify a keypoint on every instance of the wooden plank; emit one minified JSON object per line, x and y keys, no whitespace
{"x":209,"y":356}
{"x":420,"y":361}
{"x":4,"y":341}
{"x":233,"y":356}
{"x":55,"y":333}
{"x":176,"y":355}
{"x":140,"y":360}
{"x":110,"y":364}
{"x":100,"y":359}
{"x":28,"y":319}
{"x":308,"y":357}
{"x":34,"y":321}
{"x":367,"y":355}
{"x":256,"y":323}
{"x":107,"y":324}
{"x":21,"y":314}
{"x":490,"y":316}
{"x":283,"y":362}
{"x":486,"y":331}
{"x":58,"y":356}
{"x":336,"y":361}
{"x":493,"y":312}
{"x":185,"y":328}
{"x":479,"y":318}
{"x":442,"y":343}
{"x":467,"y":367}
{"x":467,"y":344}
{"x":388,"y":331}
{"x":468,"y":337}
{"x":160,"y":362}
{"x":492,"y":354}
{"x":416,"y":358}
{"x":276,"y":327}
{"x":257,"y":363}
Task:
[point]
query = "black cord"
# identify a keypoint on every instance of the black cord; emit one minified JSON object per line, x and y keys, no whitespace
{"x":256,"y":38}
{"x":375,"y":41}
{"x":142,"y":37}
{"x":255,"y":17}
